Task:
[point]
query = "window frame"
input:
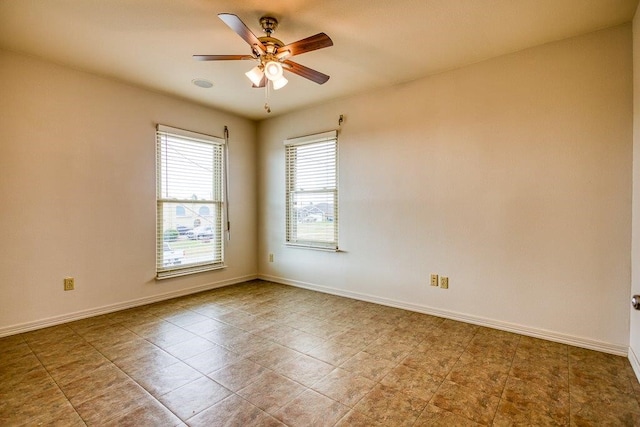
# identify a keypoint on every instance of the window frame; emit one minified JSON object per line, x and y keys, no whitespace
{"x":218,"y":202}
{"x":291,"y":223}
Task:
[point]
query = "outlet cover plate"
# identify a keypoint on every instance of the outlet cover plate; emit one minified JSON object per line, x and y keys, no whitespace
{"x":434,"y":280}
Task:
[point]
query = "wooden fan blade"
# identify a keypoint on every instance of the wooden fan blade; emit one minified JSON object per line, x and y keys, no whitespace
{"x":319,"y":41}
{"x":306,"y":72}
{"x":263,"y":82}
{"x":241,"y":29}
{"x":221,"y":57}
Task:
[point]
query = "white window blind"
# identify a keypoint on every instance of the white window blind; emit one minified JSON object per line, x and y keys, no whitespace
{"x":190,"y":199}
{"x":312,"y":191}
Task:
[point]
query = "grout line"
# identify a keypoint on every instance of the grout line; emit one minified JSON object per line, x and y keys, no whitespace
{"x":53,"y":379}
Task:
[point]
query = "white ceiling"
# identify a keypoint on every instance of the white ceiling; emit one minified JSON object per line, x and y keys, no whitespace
{"x":376,"y":42}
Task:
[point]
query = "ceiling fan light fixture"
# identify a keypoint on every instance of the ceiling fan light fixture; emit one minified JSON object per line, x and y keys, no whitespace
{"x":273,"y":70}
{"x":255,"y":75}
{"x":283,"y":55}
{"x":280,"y":83}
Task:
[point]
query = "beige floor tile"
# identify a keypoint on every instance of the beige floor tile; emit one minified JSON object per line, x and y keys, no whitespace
{"x":170,"y":337}
{"x":213,"y":359}
{"x":65,"y":356}
{"x":42,"y":338}
{"x":25,"y":369}
{"x":151,"y":358}
{"x":469,"y":403}
{"x":412,"y":382}
{"x":185,"y":318}
{"x":514,"y":414}
{"x":311,"y":409}
{"x":432,"y":416}
{"x":546,"y":401}
{"x":390,"y":349}
{"x":223,"y":335}
{"x":112,"y":402}
{"x":368,"y":366}
{"x":78,"y":368}
{"x":621,"y":411}
{"x":23,"y":383}
{"x":144,"y":325}
{"x":355,"y":338}
{"x":333,"y":353}
{"x":190,"y":348}
{"x":65,"y":417}
{"x":149,"y":413}
{"x":301,"y":341}
{"x":247,"y":344}
{"x":271,"y":391}
{"x":358,"y":419}
{"x":390,"y":406}
{"x":26,"y":409}
{"x":304,"y":369}
{"x":537,"y":346}
{"x":484,"y":347}
{"x":480,"y":374}
{"x":205,"y":326}
{"x":7,"y":343}
{"x":237,"y":319}
{"x":436,"y":340}
{"x":109,"y":336}
{"x":542,"y":371}
{"x":93,"y":383}
{"x":194,"y":397}
{"x":437,"y":363}
{"x":137,"y":347}
{"x":272,"y":354}
{"x":344,"y":386}
{"x":233,"y":411}
{"x":238,"y":374}
{"x":161,"y":381}
{"x":211,"y":309}
{"x":12,"y":349}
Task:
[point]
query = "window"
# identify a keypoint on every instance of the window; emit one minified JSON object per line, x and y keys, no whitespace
{"x":312,"y":191}
{"x":190,"y":178}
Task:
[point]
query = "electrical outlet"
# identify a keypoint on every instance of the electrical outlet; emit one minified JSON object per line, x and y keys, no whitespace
{"x":444,"y":282}
{"x":434,"y":280}
{"x":69,"y":284}
{"x":270,"y":257}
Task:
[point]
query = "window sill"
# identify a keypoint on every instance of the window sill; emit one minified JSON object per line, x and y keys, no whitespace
{"x":188,"y":271}
{"x":312,"y":247}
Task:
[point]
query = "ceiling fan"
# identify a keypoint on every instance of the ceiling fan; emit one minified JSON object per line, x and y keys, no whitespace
{"x":272,"y":54}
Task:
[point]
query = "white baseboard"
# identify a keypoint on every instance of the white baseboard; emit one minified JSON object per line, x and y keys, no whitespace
{"x":83,"y":314}
{"x":635,"y":362}
{"x":620,"y":350}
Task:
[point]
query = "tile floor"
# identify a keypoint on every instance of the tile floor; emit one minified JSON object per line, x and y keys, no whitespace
{"x":270,"y":355}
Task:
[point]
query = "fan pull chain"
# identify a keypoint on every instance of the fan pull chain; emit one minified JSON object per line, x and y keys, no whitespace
{"x":266,"y":97}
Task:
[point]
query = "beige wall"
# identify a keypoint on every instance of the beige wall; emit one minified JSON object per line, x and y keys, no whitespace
{"x":511,"y":176}
{"x":634,"y":353}
{"x":77,"y":184}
